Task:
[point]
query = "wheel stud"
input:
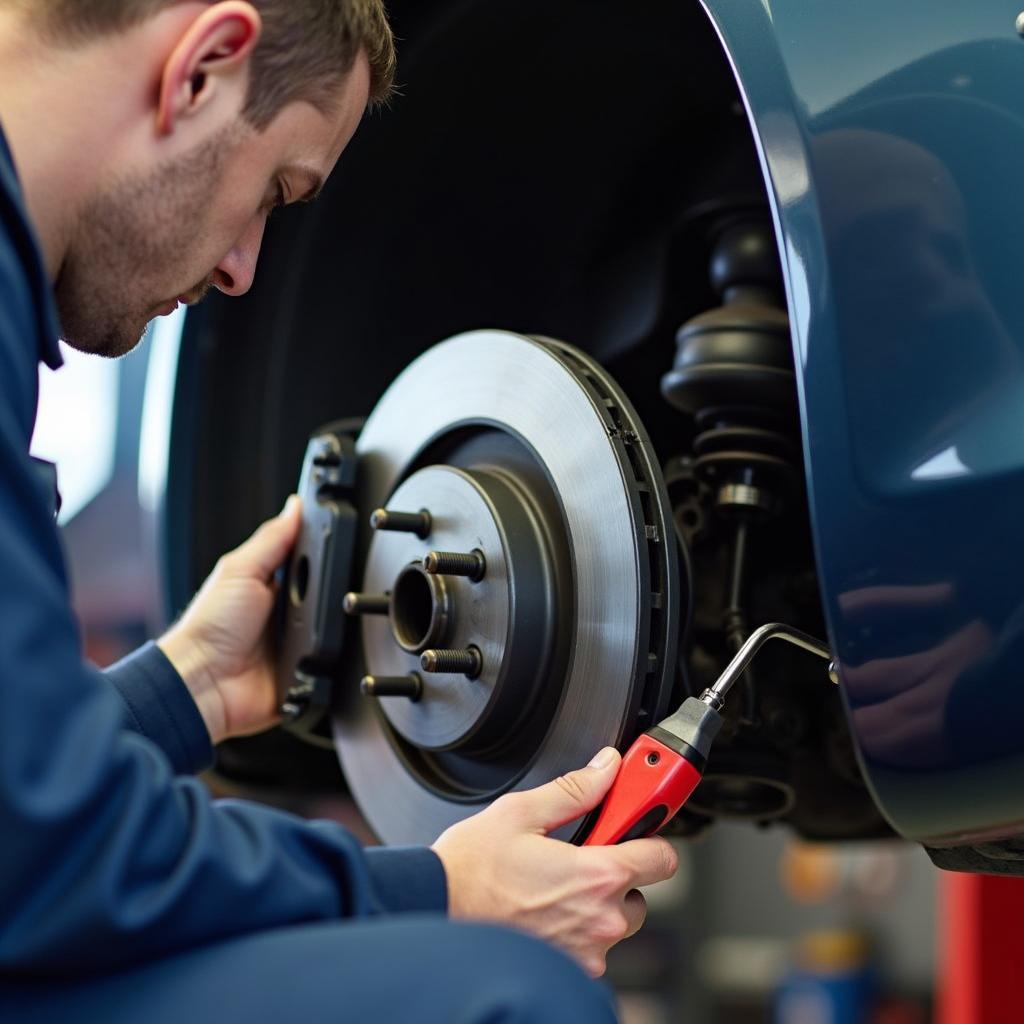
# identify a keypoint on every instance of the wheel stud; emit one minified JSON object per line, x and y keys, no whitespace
{"x":402,"y":522}
{"x":410,"y":686}
{"x":468,"y":662}
{"x":366,"y":604}
{"x":448,"y":563}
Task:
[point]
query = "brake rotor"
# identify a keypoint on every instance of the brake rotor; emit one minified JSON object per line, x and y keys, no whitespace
{"x":555,"y":633}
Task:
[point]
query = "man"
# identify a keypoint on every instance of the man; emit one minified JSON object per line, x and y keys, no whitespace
{"x":145,"y":143}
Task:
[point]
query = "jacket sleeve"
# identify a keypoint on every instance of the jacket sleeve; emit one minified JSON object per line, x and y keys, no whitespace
{"x":108,"y":857}
{"x":157,"y":705}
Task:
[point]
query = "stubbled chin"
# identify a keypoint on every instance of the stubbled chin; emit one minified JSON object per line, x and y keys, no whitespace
{"x":107,"y":342}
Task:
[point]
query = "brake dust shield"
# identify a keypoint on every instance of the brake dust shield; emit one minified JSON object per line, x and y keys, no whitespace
{"x":558,"y":632}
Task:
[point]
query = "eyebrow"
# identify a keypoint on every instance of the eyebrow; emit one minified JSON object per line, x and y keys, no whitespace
{"x":314,"y":180}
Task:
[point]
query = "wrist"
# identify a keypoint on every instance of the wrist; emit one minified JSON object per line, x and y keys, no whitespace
{"x":191,"y":664}
{"x":460,"y":904}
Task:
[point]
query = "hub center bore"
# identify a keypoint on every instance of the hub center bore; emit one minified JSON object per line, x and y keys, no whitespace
{"x":419,"y":609}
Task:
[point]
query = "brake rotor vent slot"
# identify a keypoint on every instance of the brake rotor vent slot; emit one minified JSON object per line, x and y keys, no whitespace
{"x":653,"y":527}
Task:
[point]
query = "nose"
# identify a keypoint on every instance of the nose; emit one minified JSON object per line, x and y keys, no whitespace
{"x":234,"y":274}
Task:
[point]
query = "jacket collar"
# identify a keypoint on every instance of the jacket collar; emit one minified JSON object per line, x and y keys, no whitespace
{"x":25,"y":238}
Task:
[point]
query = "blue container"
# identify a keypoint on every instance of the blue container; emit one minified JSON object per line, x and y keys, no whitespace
{"x":834,"y":983}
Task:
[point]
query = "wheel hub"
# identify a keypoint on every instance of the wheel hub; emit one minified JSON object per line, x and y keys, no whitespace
{"x":508,"y":615}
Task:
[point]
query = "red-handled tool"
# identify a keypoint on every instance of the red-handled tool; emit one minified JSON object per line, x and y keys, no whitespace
{"x":664,"y":766}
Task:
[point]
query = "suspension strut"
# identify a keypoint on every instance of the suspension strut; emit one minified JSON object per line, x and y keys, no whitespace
{"x":734,"y":375}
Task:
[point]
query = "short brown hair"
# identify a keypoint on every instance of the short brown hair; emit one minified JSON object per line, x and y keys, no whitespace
{"x":307,"y":49}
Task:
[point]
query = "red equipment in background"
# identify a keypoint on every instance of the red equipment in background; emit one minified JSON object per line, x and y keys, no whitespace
{"x":981,"y":955}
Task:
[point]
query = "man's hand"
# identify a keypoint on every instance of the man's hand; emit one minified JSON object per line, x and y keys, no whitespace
{"x":220,"y":646}
{"x":503,"y":867}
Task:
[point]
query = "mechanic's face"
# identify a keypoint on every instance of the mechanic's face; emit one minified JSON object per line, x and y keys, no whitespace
{"x":194,"y":222}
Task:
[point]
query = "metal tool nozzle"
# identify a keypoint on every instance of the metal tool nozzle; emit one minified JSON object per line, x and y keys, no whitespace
{"x":715,"y":696}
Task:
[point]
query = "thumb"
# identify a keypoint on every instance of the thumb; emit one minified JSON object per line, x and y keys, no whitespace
{"x":265,"y":551}
{"x":572,"y":795}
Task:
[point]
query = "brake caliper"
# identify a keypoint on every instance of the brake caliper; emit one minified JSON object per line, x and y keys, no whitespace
{"x":312,"y":629}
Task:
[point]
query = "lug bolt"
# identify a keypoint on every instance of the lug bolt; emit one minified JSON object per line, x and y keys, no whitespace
{"x":410,"y":686}
{"x":447,"y":563}
{"x":468,"y":662}
{"x":402,"y":522}
{"x":366,"y":604}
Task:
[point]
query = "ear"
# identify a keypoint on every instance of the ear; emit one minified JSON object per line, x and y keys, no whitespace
{"x":216,"y":45}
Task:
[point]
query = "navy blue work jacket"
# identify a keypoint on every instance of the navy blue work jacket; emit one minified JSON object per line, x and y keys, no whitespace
{"x":110,"y":853}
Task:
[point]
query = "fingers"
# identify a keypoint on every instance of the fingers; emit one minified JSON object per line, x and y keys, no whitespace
{"x":617,"y":924}
{"x":265,"y":551}
{"x":635,"y":909}
{"x":646,"y":860}
{"x":569,"y":796}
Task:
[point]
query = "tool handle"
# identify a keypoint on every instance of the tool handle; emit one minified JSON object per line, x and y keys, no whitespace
{"x":653,"y":783}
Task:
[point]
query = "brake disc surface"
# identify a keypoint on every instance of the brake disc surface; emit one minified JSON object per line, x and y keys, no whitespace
{"x":525,"y":453}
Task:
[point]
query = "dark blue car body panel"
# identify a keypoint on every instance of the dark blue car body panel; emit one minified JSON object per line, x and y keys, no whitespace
{"x":892,"y":139}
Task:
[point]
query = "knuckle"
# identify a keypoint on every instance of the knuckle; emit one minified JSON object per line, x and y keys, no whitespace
{"x":671,"y":858}
{"x":595,"y":965}
{"x":664,"y":860}
{"x":611,"y":877}
{"x":613,"y":928}
{"x":570,"y":785}
{"x":620,"y":877}
{"x":508,"y":805}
